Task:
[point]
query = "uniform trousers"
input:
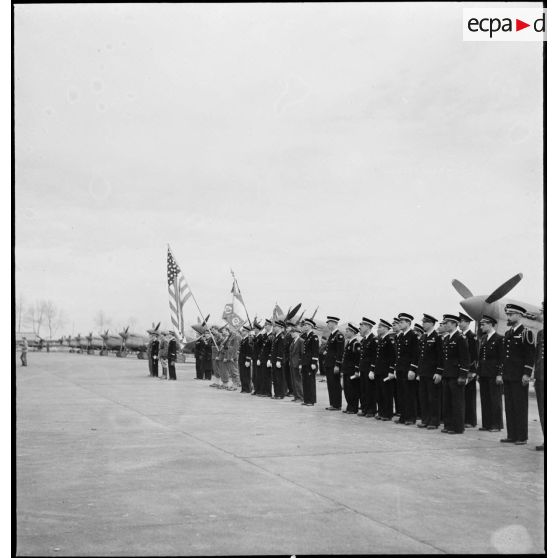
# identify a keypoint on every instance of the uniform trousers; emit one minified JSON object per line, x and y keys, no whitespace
{"x":207,"y":369}
{"x":232,"y":372}
{"x":244,"y":376}
{"x":471,"y":403}
{"x":150,"y":364}
{"x":516,"y":399}
{"x":199,"y":369}
{"x":308,"y":384}
{"x":368,"y":400}
{"x":266,"y":380}
{"x":491,"y":403}
{"x":172,"y":370}
{"x":216,"y":368}
{"x":410,"y":398}
{"x":352,"y":392}
{"x":297,"y":382}
{"x":24,"y":359}
{"x":384,"y":392}
{"x":287,"y":379}
{"x":256,"y":378}
{"x":154,"y":360}
{"x":430,"y":395}
{"x":333,"y":387}
{"x":278,"y":381}
{"x":540,"y":390}
{"x":454,"y":405}
{"x":223,"y":372}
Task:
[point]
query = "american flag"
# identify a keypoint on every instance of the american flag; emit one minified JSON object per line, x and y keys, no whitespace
{"x":179,"y":292}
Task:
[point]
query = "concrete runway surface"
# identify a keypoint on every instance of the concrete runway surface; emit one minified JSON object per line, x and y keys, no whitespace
{"x":113,"y":462}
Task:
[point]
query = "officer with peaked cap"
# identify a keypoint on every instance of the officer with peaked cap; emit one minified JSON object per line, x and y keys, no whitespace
{"x":277,"y":354}
{"x":383,"y":370}
{"x":288,"y":384}
{"x":368,"y":399}
{"x":259,"y":340}
{"x":296,"y":351}
{"x":333,"y":355}
{"x":265,"y":363}
{"x":471,"y":386}
{"x":206,"y":354}
{"x":154,"y":354}
{"x":539,"y":375}
{"x":309,"y":361}
{"x":456,"y":367}
{"x":350,"y":370}
{"x":406,"y":368}
{"x":245,"y":357}
{"x":430,"y":373}
{"x":396,"y":332}
{"x":172,"y":352}
{"x":491,"y":360}
{"x":519,"y":359}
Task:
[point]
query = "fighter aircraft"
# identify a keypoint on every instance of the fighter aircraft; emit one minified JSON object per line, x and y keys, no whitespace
{"x":493,"y":304}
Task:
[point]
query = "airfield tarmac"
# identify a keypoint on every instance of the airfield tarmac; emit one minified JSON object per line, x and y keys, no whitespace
{"x":113,"y":462}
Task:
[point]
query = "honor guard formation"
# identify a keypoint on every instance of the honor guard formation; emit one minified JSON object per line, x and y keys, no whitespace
{"x":424,"y":375}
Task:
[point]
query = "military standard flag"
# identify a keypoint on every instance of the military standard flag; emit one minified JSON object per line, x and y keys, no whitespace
{"x":231,"y":312}
{"x":179,"y":293}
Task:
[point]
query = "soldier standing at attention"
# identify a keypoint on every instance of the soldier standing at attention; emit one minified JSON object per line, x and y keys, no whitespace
{"x":245,"y":358}
{"x":296,"y":351}
{"x":332,"y":357}
{"x":519,"y":358}
{"x":430,"y":373}
{"x":265,"y":366}
{"x":406,"y":368}
{"x":215,"y":349}
{"x":396,"y":332}
{"x":163,"y":352}
{"x":288,"y":383}
{"x":154,"y":355}
{"x":198,"y":355}
{"x":491,"y":359}
{"x":368,"y":401}
{"x":456,"y":367}
{"x":232,"y":346}
{"x":171,"y":356}
{"x":471,"y":386}
{"x":276,"y":356}
{"x":383,"y":370}
{"x":221,"y":356}
{"x":256,"y":363}
{"x":540,"y":378}
{"x":309,"y":362}
{"x":349,"y":368}
{"x":24,"y":350}
{"x":207,"y":363}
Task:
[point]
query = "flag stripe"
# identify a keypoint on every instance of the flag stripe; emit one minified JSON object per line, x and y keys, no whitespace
{"x":179,"y":292}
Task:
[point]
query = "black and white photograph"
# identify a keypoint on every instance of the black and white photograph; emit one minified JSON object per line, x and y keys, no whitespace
{"x":279,"y":278}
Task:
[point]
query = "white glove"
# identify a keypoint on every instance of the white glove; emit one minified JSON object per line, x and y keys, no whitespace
{"x":258,"y":362}
{"x":277,"y":364}
{"x":437,"y":378}
{"x":247,"y":364}
{"x":371,"y":375}
{"x":411,"y":375}
{"x":269,"y":363}
{"x":313,"y":367}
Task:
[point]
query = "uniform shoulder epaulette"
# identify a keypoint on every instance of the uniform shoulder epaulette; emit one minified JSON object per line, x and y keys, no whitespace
{"x":528,"y":336}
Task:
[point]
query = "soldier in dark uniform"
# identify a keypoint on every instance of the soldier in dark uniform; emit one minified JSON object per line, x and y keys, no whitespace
{"x":519,"y":358}
{"x":454,"y":377}
{"x":332,"y":356}
{"x":154,"y":355}
{"x":172,"y":350}
{"x":265,"y":363}
{"x":406,"y":368}
{"x":491,"y":360}
{"x":276,"y":356}
{"x":259,"y":340}
{"x":419,"y":330}
{"x":309,"y":362}
{"x":296,"y":351}
{"x":245,"y":358}
{"x":349,"y":368}
{"x":540,"y":378}
{"x":198,"y":355}
{"x":430,"y":373}
{"x":368,"y":398}
{"x":206,"y":360}
{"x":383,"y":370}
{"x":288,"y":384}
{"x":471,"y":385}
{"x":396,"y":332}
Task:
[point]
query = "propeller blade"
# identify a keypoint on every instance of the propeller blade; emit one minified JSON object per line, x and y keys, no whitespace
{"x":461,"y":289}
{"x":292,"y":313}
{"x":504,"y":289}
{"x":315,"y":312}
{"x":301,"y":316}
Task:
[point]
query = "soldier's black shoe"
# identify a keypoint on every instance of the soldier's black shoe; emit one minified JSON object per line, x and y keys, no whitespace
{"x":540,"y":448}
{"x":409,"y":422}
{"x":421,"y":425}
{"x":484,"y":429}
{"x":369,"y":415}
{"x":520,"y":442}
{"x":351,"y":412}
{"x":431,"y":427}
{"x":507,"y":441}
{"x":454,"y":432}
{"x":444,"y":430}
{"x":332,"y":408}
{"x":385,"y":419}
{"x":494,"y":429}
{"x":469,"y":426}
{"x":361,"y":414}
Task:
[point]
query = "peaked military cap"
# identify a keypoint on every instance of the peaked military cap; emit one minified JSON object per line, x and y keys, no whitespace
{"x":384,"y":323}
{"x":514,"y":309}
{"x":280,"y":323}
{"x":488,"y":320}
{"x":418,"y":327}
{"x":332,"y":319}
{"x":352,"y":327}
{"x":396,"y":320}
{"x":464,"y":317}
{"x":268,"y":322}
{"x":429,"y":318}
{"x":246,"y":327}
{"x":310,"y":321}
{"x":289,"y":323}
{"x":368,"y":321}
{"x":404,"y":316}
{"x":257,"y":325}
{"x":451,"y":318}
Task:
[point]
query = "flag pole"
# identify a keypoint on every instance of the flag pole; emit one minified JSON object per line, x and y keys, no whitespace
{"x":195,"y":301}
{"x":241,"y":298}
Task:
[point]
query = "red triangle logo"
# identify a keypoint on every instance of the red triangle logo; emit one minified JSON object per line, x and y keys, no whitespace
{"x":519,"y":25}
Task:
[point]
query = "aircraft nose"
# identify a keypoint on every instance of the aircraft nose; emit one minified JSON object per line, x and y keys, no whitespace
{"x":474,"y":306}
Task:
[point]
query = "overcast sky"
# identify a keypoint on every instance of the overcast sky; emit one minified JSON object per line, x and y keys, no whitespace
{"x":356,"y":157}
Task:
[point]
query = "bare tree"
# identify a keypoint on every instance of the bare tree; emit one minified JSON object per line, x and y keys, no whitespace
{"x":50,"y":312}
{"x":30,"y":317}
{"x":60,"y":321}
{"x":102,"y":321}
